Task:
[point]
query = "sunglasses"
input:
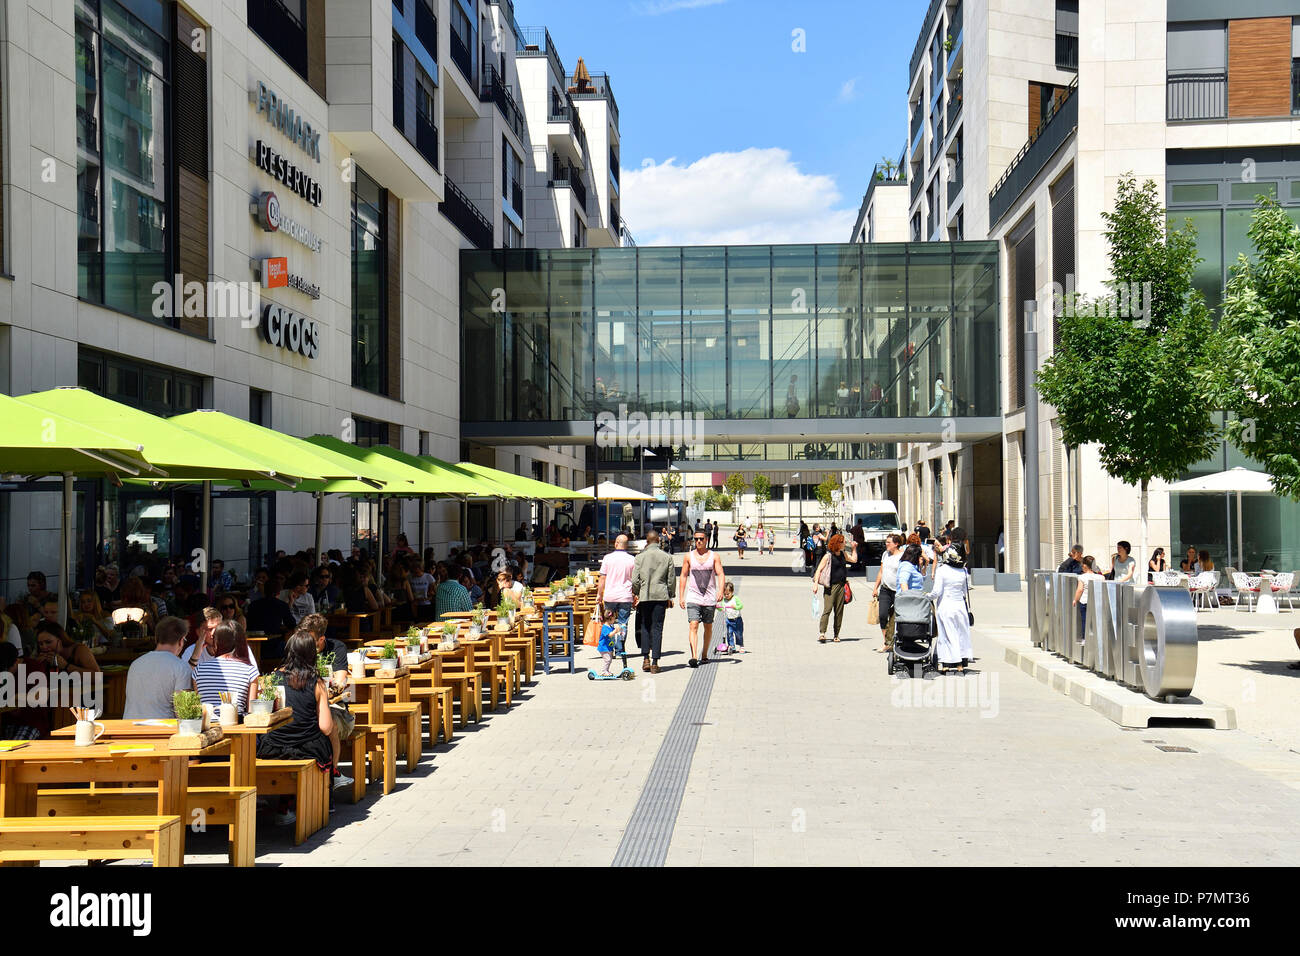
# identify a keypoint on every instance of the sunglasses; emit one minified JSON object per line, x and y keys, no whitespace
{"x":701,"y":539}
{"x":227,"y":607}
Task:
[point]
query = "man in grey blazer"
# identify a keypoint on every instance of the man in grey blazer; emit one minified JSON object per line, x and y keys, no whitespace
{"x":652,"y":594}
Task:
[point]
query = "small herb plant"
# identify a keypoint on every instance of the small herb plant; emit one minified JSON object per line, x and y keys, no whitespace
{"x":448,"y":631}
{"x":267,"y":683}
{"x":390,"y":651}
{"x":325,"y":665}
{"x":187,"y":705}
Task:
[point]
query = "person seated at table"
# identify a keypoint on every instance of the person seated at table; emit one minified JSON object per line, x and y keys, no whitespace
{"x":369,"y":579}
{"x":17,"y":614}
{"x":61,"y":652}
{"x":307,"y":736}
{"x":297,"y":596}
{"x":49,"y":609}
{"x":1190,"y":564}
{"x":10,"y":633}
{"x":355,"y":592}
{"x":452,"y":595}
{"x":155,"y":676}
{"x":1206,"y":562}
{"x":1158,"y":563}
{"x":269,"y":614}
{"x":257,"y":589}
{"x":399,"y":588}
{"x":423,"y":584}
{"x":135,"y":595}
{"x":157,"y":593}
{"x":521,"y":533}
{"x":225,"y":672}
{"x":340,"y":676}
{"x":228,"y":605}
{"x":220,"y":579}
{"x":23,"y":723}
{"x":35,"y":595}
{"x":90,"y":618}
{"x":1122,"y":565}
{"x":323,"y":590}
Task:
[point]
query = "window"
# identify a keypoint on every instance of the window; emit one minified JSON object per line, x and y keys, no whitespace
{"x":511,"y":237}
{"x":369,"y":290}
{"x":259,"y":407}
{"x":579,"y":232}
{"x":1067,"y":35}
{"x":151,"y":388}
{"x":426,"y":126}
{"x":282,"y":25}
{"x":512,"y":178}
{"x":399,"y":85}
{"x":122,"y":161}
{"x":1197,"y":63}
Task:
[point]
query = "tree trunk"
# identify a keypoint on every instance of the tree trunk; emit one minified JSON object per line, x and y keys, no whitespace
{"x":1142,"y":539}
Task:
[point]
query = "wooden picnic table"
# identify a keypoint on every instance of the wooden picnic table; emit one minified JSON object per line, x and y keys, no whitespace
{"x":352,"y":621}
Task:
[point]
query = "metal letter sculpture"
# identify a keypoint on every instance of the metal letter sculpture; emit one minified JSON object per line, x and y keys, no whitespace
{"x":1145,"y":641}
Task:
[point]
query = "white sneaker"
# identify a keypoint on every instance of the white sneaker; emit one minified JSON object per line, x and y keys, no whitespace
{"x":284,"y":819}
{"x":342,"y":780}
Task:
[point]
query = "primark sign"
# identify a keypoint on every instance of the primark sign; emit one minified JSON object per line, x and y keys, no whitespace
{"x":1146,"y":641}
{"x":280,"y":114}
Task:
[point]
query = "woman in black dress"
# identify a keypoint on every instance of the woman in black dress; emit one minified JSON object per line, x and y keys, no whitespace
{"x":307,"y":736}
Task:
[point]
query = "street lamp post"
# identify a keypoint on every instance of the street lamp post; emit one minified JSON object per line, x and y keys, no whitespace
{"x":799,"y":494}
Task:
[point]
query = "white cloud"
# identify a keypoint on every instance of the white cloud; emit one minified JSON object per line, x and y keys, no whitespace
{"x":754,"y":196}
{"x":653,"y":8}
{"x":848,"y":91}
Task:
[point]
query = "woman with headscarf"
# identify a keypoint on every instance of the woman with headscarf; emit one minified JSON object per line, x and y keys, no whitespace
{"x":950,"y":589}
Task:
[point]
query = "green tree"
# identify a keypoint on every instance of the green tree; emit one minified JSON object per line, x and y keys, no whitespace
{"x":1255,"y":371}
{"x":735,"y":485}
{"x":762,"y":492}
{"x":825,"y":496}
{"x":670,"y":485}
{"x":701,"y":498}
{"x":1123,"y":376}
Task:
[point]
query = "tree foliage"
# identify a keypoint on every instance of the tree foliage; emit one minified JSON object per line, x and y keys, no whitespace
{"x":736,"y":484}
{"x":1255,"y":372}
{"x":670,"y":485}
{"x":762,"y":490}
{"x":829,"y":484}
{"x":1127,"y":383}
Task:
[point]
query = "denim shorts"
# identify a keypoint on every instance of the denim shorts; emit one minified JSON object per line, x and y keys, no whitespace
{"x":700,"y":612}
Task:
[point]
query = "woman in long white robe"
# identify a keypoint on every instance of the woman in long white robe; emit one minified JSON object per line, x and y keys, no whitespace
{"x":949,"y":593}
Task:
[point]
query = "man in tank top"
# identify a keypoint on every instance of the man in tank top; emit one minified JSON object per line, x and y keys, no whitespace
{"x":701,"y":582}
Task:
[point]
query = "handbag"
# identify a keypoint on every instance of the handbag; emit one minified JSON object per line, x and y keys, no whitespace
{"x":873,"y":611}
{"x":848,"y":593}
{"x":592,"y":637}
{"x":969,"y":613}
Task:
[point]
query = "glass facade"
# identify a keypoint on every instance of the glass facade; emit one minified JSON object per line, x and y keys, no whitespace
{"x":369,"y":296}
{"x":730,"y":332}
{"x":123,"y":67}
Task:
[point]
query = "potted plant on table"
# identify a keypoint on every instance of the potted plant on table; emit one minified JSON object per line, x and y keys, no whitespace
{"x":266,"y":694}
{"x":325,"y":665}
{"x":388,"y":659}
{"x":189,"y":712}
{"x":448,"y":637}
{"x":476,"y":621}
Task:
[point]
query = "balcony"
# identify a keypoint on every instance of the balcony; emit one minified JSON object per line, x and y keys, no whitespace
{"x":571,"y":176}
{"x":954,"y":105}
{"x":399,"y":104}
{"x":537,"y":42}
{"x":461,"y":56}
{"x":614,"y":223}
{"x":1067,"y":51}
{"x":1198,"y":96}
{"x":465,"y":216}
{"x":517,"y":198}
{"x":1295,"y":87}
{"x":955,"y":182}
{"x":936,"y":142}
{"x":565,"y":125}
{"x":595,"y":87}
{"x":426,"y":28}
{"x":426,"y":139}
{"x":1061,"y":120}
{"x":613,"y":166}
{"x":274,"y":22}
{"x":495,"y":90}
{"x":915,"y":189}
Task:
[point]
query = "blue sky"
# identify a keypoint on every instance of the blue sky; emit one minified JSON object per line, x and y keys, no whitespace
{"x":748,"y":139}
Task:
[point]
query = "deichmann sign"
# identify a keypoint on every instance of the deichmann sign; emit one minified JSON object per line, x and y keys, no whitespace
{"x":276,"y":275}
{"x":266,"y":210}
{"x":270,"y":161}
{"x":1146,"y":641}
{"x":283,"y":117}
{"x":291,"y":331}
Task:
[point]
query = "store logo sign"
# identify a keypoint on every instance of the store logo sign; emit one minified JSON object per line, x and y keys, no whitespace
{"x":283,"y":117}
{"x":289,"y":330}
{"x":275,"y":273}
{"x":292,"y":177}
{"x":266,"y":210}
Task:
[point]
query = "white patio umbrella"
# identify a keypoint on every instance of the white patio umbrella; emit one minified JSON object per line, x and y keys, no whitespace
{"x":1241,"y":481}
{"x":612,"y":491}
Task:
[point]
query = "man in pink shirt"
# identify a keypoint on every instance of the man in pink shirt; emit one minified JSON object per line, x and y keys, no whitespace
{"x":614,"y":590}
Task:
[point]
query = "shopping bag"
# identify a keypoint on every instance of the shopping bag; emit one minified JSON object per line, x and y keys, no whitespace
{"x":592,"y":637}
{"x":873,"y":611}
{"x":848,"y":593}
{"x":817,"y":605}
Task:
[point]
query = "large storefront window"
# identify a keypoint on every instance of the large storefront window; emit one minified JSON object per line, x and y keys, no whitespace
{"x":123,"y":69}
{"x":369,"y":325}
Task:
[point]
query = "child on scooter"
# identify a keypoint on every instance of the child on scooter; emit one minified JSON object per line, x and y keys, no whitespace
{"x":731,"y":607}
{"x":608,"y":644}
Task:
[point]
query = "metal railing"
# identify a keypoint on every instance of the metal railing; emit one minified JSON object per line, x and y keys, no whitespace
{"x":1067,"y":51}
{"x":283,"y":32}
{"x":1195,"y":96}
{"x":955,"y":183}
{"x":517,"y":198}
{"x":915,"y":190}
{"x":614,"y":222}
{"x":570,"y":176}
{"x":399,"y":103}
{"x":537,"y":42}
{"x":599,"y":89}
{"x":954,"y":104}
{"x":613,"y":163}
{"x":465,"y":216}
{"x":954,"y":25}
{"x":936,"y":143}
{"x":426,"y":28}
{"x":495,"y":90}
{"x":1295,"y":86}
{"x":461,"y":56}
{"x":919,"y":50}
{"x":426,"y":139}
{"x":625,"y":236}
{"x":565,"y":112}
{"x":918,"y":114}
{"x":1061,"y":120}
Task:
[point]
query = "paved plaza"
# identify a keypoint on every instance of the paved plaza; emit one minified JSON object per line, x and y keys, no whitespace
{"x":808,"y":754}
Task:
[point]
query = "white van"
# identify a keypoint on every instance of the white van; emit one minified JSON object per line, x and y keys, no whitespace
{"x":150,"y":529}
{"x":879,"y":519}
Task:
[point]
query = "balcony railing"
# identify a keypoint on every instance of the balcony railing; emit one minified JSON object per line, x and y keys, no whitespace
{"x":517,"y":198}
{"x":426,"y":139}
{"x":399,"y":104}
{"x":1295,"y":86}
{"x":917,"y":115}
{"x":625,"y":237}
{"x":954,"y":105}
{"x":1067,"y":51}
{"x":954,"y":25}
{"x":465,"y":216}
{"x":461,"y":56}
{"x":919,"y":50}
{"x":537,"y":42}
{"x":614,"y":222}
{"x":426,"y":28}
{"x":597,"y":88}
{"x":495,"y":90}
{"x":936,"y":144}
{"x":563,"y":111}
{"x":571,"y":177}
{"x":613,"y":164}
{"x":915,"y":190}
{"x":283,"y":32}
{"x":954,"y":184}
{"x":1061,"y":120}
{"x":1195,"y":96}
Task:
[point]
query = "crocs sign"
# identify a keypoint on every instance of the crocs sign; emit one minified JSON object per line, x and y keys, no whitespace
{"x":291,"y":331}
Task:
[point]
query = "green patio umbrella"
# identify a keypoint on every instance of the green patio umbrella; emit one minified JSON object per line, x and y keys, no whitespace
{"x":523,"y":486}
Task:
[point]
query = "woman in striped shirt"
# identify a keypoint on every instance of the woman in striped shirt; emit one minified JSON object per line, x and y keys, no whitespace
{"x":225,"y":671}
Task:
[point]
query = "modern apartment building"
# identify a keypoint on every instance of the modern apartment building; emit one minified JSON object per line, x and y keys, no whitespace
{"x":335,"y":156}
{"x":1022,"y":117}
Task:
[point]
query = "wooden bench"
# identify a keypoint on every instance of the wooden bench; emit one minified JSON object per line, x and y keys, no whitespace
{"x":436,"y":702}
{"x":406,"y":716}
{"x":378,"y":747}
{"x":27,"y":839}
{"x":306,"y":783}
{"x":233,"y":807}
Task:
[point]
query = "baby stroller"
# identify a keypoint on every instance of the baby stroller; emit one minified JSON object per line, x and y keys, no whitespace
{"x":913,"y":649}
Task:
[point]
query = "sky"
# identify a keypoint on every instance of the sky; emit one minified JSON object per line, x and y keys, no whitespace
{"x":744,"y":121}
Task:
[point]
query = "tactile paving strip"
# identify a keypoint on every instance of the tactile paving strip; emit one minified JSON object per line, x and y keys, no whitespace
{"x":645,"y":841}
